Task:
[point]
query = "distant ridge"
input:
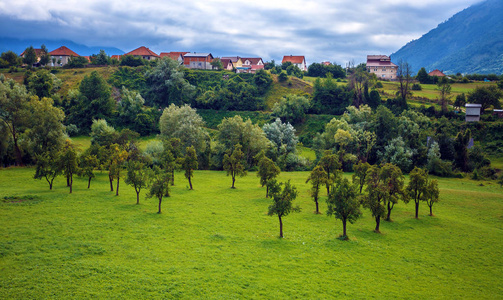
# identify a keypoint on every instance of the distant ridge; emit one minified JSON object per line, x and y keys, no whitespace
{"x":19,"y":45}
{"x":469,"y":42}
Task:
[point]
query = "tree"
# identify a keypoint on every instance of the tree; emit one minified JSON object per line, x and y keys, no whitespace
{"x":11,"y":59}
{"x":329,"y":98}
{"x":291,"y":108}
{"x":167,"y":84}
{"x":87,"y":163}
{"x":45,"y":57}
{"x":189,"y":163}
{"x":432,"y":194}
{"x":171,"y":156}
{"x":100,"y":59}
{"x":282,"y":77}
{"x":159,"y":185}
{"x":69,"y":163}
{"x":216,"y":63}
{"x":47,"y":166}
{"x":41,"y":83}
{"x":376,"y":193}
{"x":282,"y":201}
{"x":445,"y":90}
{"x":417,"y":187}
{"x":118,"y":156}
{"x":129,"y":106}
{"x":184,"y":123}
{"x":137,"y":176}
{"x":423,"y":77}
{"x":331,"y":164}
{"x":30,"y":56}
{"x":267,"y":170}
{"x":404,"y":76}
{"x":394,"y":183}
{"x":397,"y":153}
{"x":14,"y":111}
{"x":358,"y":81}
{"x":460,"y":101}
{"x":282,"y":136}
{"x":343,"y":204}
{"x":318,"y":177}
{"x":233,"y":163}
{"x":461,"y":150}
{"x":360,"y":174}
{"x":262,"y":80}
{"x":487,"y":96}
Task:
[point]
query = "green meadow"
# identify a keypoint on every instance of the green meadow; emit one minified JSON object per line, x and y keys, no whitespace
{"x":217,"y":242}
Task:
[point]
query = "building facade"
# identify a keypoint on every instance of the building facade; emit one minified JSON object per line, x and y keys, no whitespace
{"x":382,"y":66}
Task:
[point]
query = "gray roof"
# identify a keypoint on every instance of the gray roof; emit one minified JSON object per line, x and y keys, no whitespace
{"x":473,"y":105}
{"x":197,"y":55}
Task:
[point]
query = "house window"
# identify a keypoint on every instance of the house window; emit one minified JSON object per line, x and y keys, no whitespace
{"x":383,"y":75}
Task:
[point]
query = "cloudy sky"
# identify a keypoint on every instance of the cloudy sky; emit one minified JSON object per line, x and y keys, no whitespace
{"x":333,"y":30}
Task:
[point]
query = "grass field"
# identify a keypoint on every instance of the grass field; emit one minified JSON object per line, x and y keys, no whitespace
{"x":217,"y":242}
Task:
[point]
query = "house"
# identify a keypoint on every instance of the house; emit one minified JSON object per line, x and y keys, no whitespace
{"x":144,"y":53}
{"x":436,"y":73}
{"x":198,"y":61}
{"x":250,"y":65}
{"x":249,"y":61}
{"x":38,"y":53}
{"x":227,"y":64}
{"x":472,"y":112}
{"x":382,"y":66}
{"x":178,"y":56}
{"x":236,"y":61}
{"x":498,"y":112}
{"x":298,"y":61}
{"x":61,"y":56}
{"x":117,"y":57}
{"x":326,"y":63}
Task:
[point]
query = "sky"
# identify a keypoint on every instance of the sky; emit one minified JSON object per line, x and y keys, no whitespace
{"x":325,"y":30}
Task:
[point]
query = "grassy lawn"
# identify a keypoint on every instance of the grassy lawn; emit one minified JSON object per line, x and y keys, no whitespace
{"x":217,"y":242}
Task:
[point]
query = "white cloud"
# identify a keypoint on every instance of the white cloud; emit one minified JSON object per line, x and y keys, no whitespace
{"x":335,"y":30}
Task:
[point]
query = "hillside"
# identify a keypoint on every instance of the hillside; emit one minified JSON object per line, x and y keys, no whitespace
{"x":469,"y":42}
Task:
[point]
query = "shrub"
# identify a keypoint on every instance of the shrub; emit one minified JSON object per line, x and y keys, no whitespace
{"x":416,"y":87}
{"x":378,"y":85}
{"x":282,"y":76}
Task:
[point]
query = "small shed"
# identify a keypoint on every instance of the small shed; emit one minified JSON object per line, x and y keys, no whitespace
{"x":472,"y":112}
{"x":498,"y":112}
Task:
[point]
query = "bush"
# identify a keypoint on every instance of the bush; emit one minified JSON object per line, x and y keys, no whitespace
{"x":282,"y":77}
{"x":72,"y":130}
{"x":416,"y":87}
{"x":378,"y":85}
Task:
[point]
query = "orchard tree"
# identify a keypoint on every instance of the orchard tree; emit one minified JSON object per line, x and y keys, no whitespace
{"x":69,"y":163}
{"x":117,"y":159}
{"x":189,"y":163}
{"x":318,"y":177}
{"x":14,"y":112}
{"x":343,"y":204}
{"x":331,"y":164}
{"x":137,"y":176}
{"x":47,"y":166}
{"x":444,"y":87}
{"x":233,"y":163}
{"x":375,"y":197}
{"x":171,"y":156}
{"x":360,"y":174}
{"x":418,"y":185}
{"x":87,"y":163}
{"x":432,"y":194}
{"x":159,"y":186}
{"x":267,"y":170}
{"x":30,"y":56}
{"x":394,"y":183}
{"x":282,"y":201}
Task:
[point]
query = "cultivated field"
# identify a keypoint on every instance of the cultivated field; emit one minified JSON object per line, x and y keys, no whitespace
{"x":216,"y":242}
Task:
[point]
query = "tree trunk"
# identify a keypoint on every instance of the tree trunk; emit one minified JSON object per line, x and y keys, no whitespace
{"x":388,"y":216}
{"x":71,"y":183}
{"x":328,"y":189}
{"x":280,"y":227}
{"x":117,"y":189}
{"x":317,"y":210}
{"x":233,"y":180}
{"x":67,"y":180}
{"x":19,"y":158}
{"x":431,"y":210}
{"x":267,"y":192}
{"x":110,"y":178}
{"x":172,"y":177}
{"x":160,"y":200}
{"x":417,"y":210}
{"x":50,"y":185}
{"x":378,"y":222}
{"x":138,"y":197}
{"x":190,"y":183}
{"x":344,"y":234}
{"x":89,"y":183}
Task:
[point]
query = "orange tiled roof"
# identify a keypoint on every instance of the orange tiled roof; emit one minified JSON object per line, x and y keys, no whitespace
{"x":437,"y":73}
{"x":117,"y":57}
{"x":293,"y":59}
{"x":142,"y":51}
{"x":63,"y":51}
{"x":173,"y":55}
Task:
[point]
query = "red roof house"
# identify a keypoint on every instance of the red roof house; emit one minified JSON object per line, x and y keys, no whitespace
{"x":62,"y":56}
{"x":174,"y":55}
{"x":299,"y":61}
{"x":144,"y":53}
{"x":382,"y":66}
{"x":437,"y":73}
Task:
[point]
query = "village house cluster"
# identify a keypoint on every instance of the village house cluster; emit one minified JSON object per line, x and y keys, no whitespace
{"x":203,"y":61}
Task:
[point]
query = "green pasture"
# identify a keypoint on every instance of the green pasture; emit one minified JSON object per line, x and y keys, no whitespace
{"x":216,"y":242}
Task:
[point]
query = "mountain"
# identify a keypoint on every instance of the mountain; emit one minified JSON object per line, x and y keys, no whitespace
{"x":18,"y":46}
{"x":469,"y":42}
